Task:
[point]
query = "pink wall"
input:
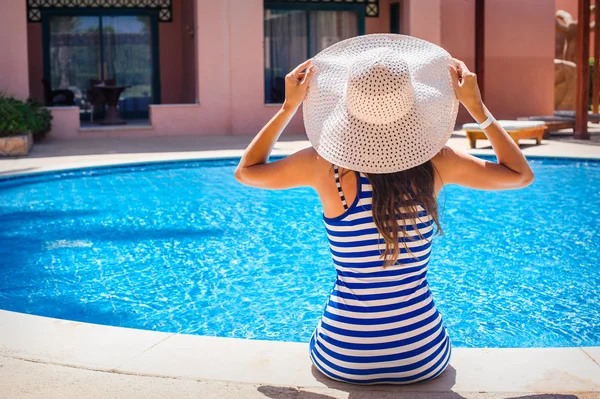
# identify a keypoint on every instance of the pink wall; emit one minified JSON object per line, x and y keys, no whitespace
{"x":458,"y":37}
{"x":568,"y":5}
{"x":170,"y":48}
{"x":166,"y":120}
{"x":212,"y":32}
{"x":14,"y":79}
{"x":176,"y":45}
{"x":188,"y":56}
{"x":448,"y":23}
{"x":65,"y":122}
{"x":176,"y":120}
{"x":425,"y":20}
{"x":382,"y":23}
{"x":519,"y":48}
{"x":36,"y":61}
{"x":519,"y":54}
{"x":249,"y":112}
{"x":458,"y":29}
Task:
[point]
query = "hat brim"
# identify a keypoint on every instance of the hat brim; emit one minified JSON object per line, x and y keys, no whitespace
{"x":408,"y":141}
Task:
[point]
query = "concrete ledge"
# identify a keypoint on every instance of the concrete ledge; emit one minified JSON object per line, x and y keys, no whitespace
{"x":65,"y":122}
{"x":115,"y":128}
{"x":139,"y":352}
{"x":191,"y":105}
{"x":180,"y":119}
{"x":70,"y":163}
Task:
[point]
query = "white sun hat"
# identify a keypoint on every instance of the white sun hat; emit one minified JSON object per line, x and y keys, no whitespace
{"x":380,"y":103}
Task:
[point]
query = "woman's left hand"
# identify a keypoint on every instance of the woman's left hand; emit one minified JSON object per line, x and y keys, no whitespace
{"x":296,"y":85}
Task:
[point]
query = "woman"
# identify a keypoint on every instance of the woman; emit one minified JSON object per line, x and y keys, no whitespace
{"x":378,"y":114}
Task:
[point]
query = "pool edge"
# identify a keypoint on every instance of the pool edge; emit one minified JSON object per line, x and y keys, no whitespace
{"x":149,"y":353}
{"x":93,"y":163}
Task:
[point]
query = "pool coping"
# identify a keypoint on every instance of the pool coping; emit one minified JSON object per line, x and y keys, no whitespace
{"x":74,"y":163}
{"x":148,"y":353}
{"x":198,"y":158}
{"x":202,"y":358}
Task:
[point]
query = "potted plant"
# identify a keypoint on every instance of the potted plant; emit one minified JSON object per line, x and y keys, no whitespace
{"x":20,"y":123}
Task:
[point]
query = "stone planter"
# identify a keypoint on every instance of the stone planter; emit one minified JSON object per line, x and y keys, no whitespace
{"x":16,"y":146}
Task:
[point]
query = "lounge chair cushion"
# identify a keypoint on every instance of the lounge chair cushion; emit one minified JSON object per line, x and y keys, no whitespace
{"x":508,"y":125}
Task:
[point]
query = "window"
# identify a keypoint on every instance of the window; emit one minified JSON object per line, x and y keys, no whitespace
{"x":294,"y":35}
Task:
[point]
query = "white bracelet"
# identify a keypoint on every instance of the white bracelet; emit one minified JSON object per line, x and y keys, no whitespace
{"x":486,"y":123}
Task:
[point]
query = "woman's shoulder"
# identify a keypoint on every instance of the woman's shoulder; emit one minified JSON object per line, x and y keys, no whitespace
{"x":322,"y":170}
{"x":317,"y":161}
{"x":443,"y":162}
{"x":308,"y":161}
{"x":443,"y":158}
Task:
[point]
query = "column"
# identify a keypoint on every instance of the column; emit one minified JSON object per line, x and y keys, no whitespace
{"x":14,"y":68}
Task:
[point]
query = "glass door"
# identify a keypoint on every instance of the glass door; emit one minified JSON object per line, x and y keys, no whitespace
{"x":127,"y":45}
{"x":73,"y":55}
{"x":119,"y":50}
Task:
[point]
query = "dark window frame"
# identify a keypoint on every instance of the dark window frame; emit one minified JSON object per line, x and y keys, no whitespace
{"x":37,"y":9}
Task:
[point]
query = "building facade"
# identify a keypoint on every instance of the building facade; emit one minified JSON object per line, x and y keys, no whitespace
{"x":200,"y":67}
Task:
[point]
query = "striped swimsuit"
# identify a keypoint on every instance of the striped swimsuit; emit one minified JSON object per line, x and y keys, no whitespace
{"x":380,"y":325}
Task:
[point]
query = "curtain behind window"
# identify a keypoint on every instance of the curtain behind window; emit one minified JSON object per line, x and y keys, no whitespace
{"x":292,"y":36}
{"x":74,"y":49}
{"x":330,"y":27}
{"x":128,"y":59}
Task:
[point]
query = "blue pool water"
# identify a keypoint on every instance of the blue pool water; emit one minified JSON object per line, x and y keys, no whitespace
{"x":184,"y":248}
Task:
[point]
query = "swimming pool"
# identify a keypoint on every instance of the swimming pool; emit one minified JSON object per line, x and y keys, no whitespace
{"x":182,"y":247}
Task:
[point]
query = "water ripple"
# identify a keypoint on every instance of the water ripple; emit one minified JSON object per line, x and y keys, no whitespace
{"x":184,"y":248}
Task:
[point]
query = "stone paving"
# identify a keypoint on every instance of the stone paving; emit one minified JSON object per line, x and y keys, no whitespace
{"x":21,"y":379}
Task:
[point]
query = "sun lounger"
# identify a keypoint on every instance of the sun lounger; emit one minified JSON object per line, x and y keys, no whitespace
{"x":554,"y":123}
{"x":592,"y":117}
{"x":516,"y":129}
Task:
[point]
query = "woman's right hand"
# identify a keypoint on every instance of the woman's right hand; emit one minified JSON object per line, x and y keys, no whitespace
{"x":458,"y":167}
{"x":296,"y":85}
{"x":465,"y":85}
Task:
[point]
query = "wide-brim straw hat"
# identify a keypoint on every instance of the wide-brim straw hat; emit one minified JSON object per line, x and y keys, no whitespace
{"x":380,"y":103}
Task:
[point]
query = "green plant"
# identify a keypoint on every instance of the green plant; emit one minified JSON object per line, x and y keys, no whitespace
{"x":18,"y":117}
{"x":12,"y":119}
{"x":41,"y":122}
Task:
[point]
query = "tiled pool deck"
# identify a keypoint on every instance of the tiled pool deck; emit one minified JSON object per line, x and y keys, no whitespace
{"x":51,"y":358}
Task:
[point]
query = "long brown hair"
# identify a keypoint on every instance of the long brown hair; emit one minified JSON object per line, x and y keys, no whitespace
{"x":402,"y":193}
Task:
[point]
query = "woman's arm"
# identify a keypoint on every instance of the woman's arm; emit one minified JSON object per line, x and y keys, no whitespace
{"x":295,"y":170}
{"x":512,"y":169}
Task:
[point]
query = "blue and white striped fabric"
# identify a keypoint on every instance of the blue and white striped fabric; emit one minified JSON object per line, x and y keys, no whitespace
{"x":380,"y":325}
